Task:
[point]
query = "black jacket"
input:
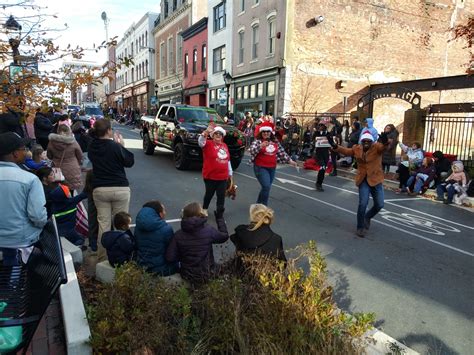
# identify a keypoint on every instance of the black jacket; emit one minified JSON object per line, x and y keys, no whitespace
{"x":262,"y":240}
{"x":109,"y":160}
{"x":120,"y":246}
{"x":83,"y":139}
{"x":10,"y":121}
{"x":43,"y":126}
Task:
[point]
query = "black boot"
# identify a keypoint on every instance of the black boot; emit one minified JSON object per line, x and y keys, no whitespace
{"x":219,"y":213}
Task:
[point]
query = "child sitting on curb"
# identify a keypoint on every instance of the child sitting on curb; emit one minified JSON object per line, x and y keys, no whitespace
{"x":64,"y":209}
{"x":119,"y":243}
{"x":452,"y":183}
{"x":192,"y":244}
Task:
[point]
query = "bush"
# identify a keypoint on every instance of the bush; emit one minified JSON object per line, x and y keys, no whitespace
{"x":253,"y":305}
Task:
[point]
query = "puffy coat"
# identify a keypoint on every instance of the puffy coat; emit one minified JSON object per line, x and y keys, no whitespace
{"x":71,"y":164}
{"x":370,"y":127}
{"x":262,"y":240}
{"x":192,"y":247}
{"x":119,"y":245}
{"x":43,"y":126}
{"x":152,"y":236}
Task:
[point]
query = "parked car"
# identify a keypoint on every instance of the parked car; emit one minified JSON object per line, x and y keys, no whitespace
{"x":177,"y":127}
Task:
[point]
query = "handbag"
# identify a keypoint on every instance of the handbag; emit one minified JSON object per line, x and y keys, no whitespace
{"x":57,"y":172}
{"x":82,"y":220}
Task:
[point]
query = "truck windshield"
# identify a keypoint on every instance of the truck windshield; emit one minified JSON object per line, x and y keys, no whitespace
{"x":89,"y":110}
{"x":198,"y":115}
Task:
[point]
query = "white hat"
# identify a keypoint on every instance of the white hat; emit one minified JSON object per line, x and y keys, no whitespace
{"x":367,"y":136}
{"x":218,"y":129}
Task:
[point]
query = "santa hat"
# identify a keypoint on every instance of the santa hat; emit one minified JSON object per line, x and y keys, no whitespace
{"x":218,"y":129}
{"x":366,"y":135}
{"x":265,"y":127}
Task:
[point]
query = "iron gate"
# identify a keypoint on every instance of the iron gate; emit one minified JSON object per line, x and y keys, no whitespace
{"x":452,"y":135}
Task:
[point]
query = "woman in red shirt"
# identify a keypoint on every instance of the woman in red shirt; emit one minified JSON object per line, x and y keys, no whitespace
{"x":216,"y":167}
{"x":265,"y":153}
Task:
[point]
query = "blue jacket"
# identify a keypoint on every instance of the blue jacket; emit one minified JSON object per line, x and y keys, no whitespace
{"x":64,"y":209}
{"x":22,"y":208}
{"x":119,"y":245}
{"x":370,"y":127}
{"x":152,"y":235}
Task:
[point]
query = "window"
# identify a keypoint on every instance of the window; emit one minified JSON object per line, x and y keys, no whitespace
{"x":271,"y":88}
{"x":170,"y":55}
{"x":242,"y":5}
{"x":166,"y":9}
{"x":146,"y":39}
{"x":255,"y":35}
{"x":219,"y":17}
{"x":203,"y":58}
{"x":246,"y":92}
{"x":218,"y":59}
{"x":271,"y":35}
{"x":241,"y":47}
{"x":162,"y":58}
{"x":179,"y":53}
{"x":195,"y":61}
{"x":186,"y":62}
{"x":239,"y":93}
{"x":259,"y":89}
{"x":175,"y":4}
{"x":253,"y":91}
{"x":212,"y":94}
{"x":146,"y":67}
{"x":133,"y":76}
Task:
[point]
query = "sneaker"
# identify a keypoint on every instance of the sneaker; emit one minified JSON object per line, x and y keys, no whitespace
{"x":439,"y":199}
{"x":360,"y":233}
{"x":366,"y":223}
{"x":319,"y":188}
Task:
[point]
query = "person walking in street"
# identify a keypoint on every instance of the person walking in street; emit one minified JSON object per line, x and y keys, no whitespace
{"x":216,"y":168}
{"x":66,"y":154}
{"x":321,"y":151}
{"x":111,"y":188}
{"x":257,"y":237}
{"x":23,"y":208}
{"x":265,"y":153}
{"x":369,"y":176}
{"x":191,"y":246}
{"x":388,"y":157}
{"x":152,"y":237}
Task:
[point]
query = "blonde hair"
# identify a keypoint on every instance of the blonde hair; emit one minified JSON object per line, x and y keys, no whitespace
{"x":64,"y":130}
{"x":193,"y":209}
{"x":260,"y":214}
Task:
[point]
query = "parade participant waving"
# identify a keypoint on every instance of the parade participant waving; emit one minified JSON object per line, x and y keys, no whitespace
{"x":369,"y":176}
{"x":216,"y":167}
{"x":265,"y":152}
{"x":321,"y":151}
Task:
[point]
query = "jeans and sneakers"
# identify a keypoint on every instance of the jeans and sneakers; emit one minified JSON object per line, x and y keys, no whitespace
{"x":364,"y":216}
{"x":265,"y":177}
{"x":442,"y":188}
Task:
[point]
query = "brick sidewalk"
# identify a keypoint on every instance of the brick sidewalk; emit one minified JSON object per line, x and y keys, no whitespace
{"x":49,"y":336}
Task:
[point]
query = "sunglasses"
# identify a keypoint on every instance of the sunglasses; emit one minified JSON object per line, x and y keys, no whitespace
{"x":366,"y":141}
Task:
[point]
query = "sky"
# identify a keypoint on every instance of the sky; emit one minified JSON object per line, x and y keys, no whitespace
{"x":85,"y":26}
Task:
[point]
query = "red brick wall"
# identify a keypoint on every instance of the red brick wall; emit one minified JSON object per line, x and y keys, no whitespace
{"x":195,"y":43}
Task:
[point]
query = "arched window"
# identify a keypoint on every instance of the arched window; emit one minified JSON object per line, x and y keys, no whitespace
{"x":146,"y":67}
{"x":195,"y":59}
{"x":146,"y":39}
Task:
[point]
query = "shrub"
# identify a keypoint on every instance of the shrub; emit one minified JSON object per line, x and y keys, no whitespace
{"x":253,"y":305}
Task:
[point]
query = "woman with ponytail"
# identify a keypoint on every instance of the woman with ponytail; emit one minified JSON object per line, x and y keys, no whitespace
{"x":257,"y":237}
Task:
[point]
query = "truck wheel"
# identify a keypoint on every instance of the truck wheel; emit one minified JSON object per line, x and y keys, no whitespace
{"x":235,"y":163}
{"x":148,"y":146}
{"x":180,"y":161}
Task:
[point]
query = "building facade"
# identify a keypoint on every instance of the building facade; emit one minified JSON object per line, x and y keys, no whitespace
{"x":134,"y":83}
{"x":71,"y":68}
{"x":258,"y":37}
{"x":220,"y":13}
{"x":195,"y":63}
{"x":175,"y":17}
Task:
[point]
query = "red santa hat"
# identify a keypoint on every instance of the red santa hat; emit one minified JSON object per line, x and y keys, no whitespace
{"x":266,"y":127}
{"x":218,"y":129}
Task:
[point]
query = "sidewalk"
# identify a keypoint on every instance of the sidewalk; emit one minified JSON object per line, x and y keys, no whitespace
{"x":49,"y":336}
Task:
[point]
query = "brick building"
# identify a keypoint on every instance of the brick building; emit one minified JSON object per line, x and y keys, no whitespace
{"x":175,"y":17}
{"x":195,"y":63}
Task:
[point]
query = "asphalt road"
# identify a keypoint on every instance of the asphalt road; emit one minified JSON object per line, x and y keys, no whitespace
{"x":414,"y":269}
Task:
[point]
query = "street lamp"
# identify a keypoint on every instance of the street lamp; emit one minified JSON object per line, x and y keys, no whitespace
{"x":123,"y":103}
{"x":14,"y":36}
{"x":227,"y":80}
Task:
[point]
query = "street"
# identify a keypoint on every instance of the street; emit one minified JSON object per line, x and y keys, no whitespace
{"x":414,"y":269}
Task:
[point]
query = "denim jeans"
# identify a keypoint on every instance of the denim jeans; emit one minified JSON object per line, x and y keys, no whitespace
{"x":441,"y":189}
{"x":265,"y":177}
{"x":418,"y":183}
{"x":11,"y":256}
{"x":377,"y":194}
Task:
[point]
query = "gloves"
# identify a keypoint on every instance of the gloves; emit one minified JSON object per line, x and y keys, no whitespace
{"x":383,"y":138}
{"x":331,"y":141}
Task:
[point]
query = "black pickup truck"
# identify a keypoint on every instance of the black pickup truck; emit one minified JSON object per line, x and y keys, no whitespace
{"x":177,"y":127}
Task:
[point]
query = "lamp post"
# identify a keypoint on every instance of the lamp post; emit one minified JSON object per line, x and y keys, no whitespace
{"x":227,"y":80}
{"x":123,"y":104}
{"x":14,"y":36}
{"x":156,"y":96}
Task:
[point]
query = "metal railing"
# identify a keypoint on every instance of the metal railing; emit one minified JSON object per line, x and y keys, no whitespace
{"x":452,"y":135}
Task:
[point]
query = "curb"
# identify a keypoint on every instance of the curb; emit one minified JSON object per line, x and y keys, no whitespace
{"x":76,"y":327}
{"x":75,"y":251}
{"x":380,"y":343}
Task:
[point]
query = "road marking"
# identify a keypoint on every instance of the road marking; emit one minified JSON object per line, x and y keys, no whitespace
{"x":405,"y":199}
{"x":377,"y":221}
{"x":167,"y":221}
{"x":286,"y":181}
{"x":389,"y":201}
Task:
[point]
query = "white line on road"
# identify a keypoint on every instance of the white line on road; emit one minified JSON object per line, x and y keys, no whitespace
{"x":354,"y":213}
{"x":389,"y":201}
{"x":404,"y":199}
